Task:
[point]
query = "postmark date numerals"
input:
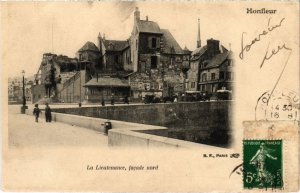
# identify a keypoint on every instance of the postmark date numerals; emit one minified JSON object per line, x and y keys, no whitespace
{"x":283,"y":111}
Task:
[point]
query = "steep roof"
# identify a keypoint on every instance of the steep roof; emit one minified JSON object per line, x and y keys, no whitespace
{"x":186,"y":50}
{"x":217,"y":60}
{"x":89,"y":46}
{"x":115,"y":45}
{"x":198,"y":52}
{"x":170,"y":44}
{"x":148,"y":27}
{"x":107,"y":82}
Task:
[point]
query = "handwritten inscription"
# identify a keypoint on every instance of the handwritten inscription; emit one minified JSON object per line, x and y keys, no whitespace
{"x":274,"y":52}
{"x":268,"y":55}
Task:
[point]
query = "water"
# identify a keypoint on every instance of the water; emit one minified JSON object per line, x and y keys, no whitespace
{"x":211,"y":136}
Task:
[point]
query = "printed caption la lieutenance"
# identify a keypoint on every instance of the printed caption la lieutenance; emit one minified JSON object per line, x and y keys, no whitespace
{"x":122,"y":168}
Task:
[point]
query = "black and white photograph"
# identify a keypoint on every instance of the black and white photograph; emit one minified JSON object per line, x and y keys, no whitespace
{"x":151,"y":83}
{"x":147,"y":96}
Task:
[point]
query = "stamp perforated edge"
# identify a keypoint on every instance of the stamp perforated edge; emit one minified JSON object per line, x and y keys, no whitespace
{"x":283,"y":162}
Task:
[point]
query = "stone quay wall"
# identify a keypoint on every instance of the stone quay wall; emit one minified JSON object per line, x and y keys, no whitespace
{"x":201,"y":115}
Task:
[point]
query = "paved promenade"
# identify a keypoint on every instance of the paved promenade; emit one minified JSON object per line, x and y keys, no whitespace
{"x":25,"y":132}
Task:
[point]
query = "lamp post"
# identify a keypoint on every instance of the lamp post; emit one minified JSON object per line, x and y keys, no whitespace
{"x":24,"y":107}
{"x":184,"y":68}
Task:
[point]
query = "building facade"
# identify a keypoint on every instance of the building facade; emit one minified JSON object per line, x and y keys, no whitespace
{"x":211,"y":68}
{"x":15,"y":89}
{"x":157,"y":60}
{"x":150,"y":61}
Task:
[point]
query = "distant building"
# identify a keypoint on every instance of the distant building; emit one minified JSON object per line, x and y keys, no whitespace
{"x":89,"y":57}
{"x":115,"y":55}
{"x":211,"y":68}
{"x":65,"y":68}
{"x":15,"y":89}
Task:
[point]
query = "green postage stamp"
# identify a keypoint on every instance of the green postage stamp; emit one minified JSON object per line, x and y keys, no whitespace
{"x":262,"y":164}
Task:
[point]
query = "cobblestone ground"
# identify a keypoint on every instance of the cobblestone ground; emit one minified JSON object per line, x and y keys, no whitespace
{"x":23,"y":131}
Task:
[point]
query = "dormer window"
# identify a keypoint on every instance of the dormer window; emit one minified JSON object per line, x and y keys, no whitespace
{"x":205,"y":63}
{"x":111,"y":46}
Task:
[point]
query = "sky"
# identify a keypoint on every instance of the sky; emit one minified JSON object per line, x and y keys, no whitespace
{"x":33,"y":28}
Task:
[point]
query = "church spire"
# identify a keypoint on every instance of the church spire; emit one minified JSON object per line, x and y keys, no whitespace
{"x":198,"y":36}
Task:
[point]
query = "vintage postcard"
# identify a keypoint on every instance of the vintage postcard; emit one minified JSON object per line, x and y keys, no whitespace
{"x":150,"y":96}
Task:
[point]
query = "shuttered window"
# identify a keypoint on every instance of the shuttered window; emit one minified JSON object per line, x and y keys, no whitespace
{"x":153,"y":42}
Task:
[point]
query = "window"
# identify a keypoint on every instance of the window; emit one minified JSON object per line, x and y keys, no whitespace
{"x":222,"y":75}
{"x":202,"y":87}
{"x":193,"y":84}
{"x":213,"y":76}
{"x":136,"y":44}
{"x":127,"y":58}
{"x":153,"y":62}
{"x":116,"y":58}
{"x":228,"y":75}
{"x":153,"y":42}
{"x":203,"y":77}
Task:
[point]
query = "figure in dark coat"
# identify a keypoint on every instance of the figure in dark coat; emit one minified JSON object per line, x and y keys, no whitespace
{"x":112,"y":101}
{"x":126,"y":101}
{"x":48,"y":113}
{"x":36,"y":112}
{"x":102,"y":102}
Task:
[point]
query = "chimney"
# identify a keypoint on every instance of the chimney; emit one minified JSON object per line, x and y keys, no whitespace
{"x":103,"y":37}
{"x":137,"y":14}
{"x":213,"y":47}
{"x":147,"y":18}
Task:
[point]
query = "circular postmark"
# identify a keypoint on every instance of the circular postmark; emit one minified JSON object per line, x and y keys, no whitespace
{"x":278,"y":105}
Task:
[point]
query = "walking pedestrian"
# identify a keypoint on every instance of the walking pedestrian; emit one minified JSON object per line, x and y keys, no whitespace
{"x":126,"y":101}
{"x":48,"y":113}
{"x":103,"y":102}
{"x":112,"y":102}
{"x":36,"y":112}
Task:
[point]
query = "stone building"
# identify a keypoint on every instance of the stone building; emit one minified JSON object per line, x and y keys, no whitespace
{"x":108,"y":80}
{"x":157,"y":59}
{"x":211,"y":68}
{"x":150,"y":61}
{"x":64,"y":68}
{"x":89,"y":56}
{"x":115,"y":55}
